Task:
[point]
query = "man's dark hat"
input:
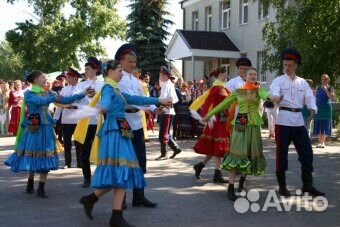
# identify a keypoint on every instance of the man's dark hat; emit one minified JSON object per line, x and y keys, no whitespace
{"x":291,"y":54}
{"x":125,"y":49}
{"x":243,"y":62}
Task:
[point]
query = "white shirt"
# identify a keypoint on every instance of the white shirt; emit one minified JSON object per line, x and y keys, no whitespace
{"x":235,"y":83}
{"x":66,"y":92}
{"x":132,"y":86}
{"x":295,"y":94}
{"x":81,"y":87}
{"x":168,"y":91}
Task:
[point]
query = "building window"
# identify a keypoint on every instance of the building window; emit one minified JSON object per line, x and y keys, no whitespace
{"x":263,"y":10}
{"x":243,"y":55}
{"x":244,"y":4}
{"x":208,"y":18}
{"x":195,"y":20}
{"x":225,"y":14}
{"x":262,"y":73}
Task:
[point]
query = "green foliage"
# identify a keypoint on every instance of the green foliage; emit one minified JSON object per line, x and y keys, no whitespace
{"x":147,"y":32}
{"x":310,"y":26}
{"x":10,"y":63}
{"x":58,"y":41}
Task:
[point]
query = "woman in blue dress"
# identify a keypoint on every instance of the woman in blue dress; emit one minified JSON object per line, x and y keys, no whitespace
{"x":35,"y":147}
{"x":117,"y":164}
{"x":323,"y":119}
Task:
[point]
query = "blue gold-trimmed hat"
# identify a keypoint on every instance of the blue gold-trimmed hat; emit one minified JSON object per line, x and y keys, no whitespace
{"x":291,"y":54}
{"x":124,"y":49}
{"x":243,"y":62}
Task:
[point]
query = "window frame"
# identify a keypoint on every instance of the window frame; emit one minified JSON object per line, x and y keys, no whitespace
{"x":208,"y":18}
{"x":226,"y":11}
{"x":244,"y":5}
{"x":195,"y":20}
{"x":261,"y":10}
{"x":263,"y":75}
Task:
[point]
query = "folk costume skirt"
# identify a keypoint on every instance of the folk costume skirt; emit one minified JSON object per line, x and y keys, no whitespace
{"x":246,"y":152}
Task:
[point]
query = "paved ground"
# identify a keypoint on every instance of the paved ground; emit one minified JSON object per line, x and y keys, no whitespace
{"x":183,"y":200}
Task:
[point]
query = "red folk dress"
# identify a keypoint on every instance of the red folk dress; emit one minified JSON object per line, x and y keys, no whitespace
{"x":214,"y":141}
{"x":14,"y":101}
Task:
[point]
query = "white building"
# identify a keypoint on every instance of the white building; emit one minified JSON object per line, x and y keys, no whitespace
{"x":217,"y":32}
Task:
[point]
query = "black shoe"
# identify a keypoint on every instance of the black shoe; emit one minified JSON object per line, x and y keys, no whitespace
{"x":88,"y":202}
{"x":281,"y":179}
{"x":231,"y":193}
{"x":164,"y":152}
{"x":218,"y":177}
{"x":41,"y":190}
{"x":241,"y":184}
{"x":117,"y":219}
{"x":86,"y":183}
{"x":308,"y":187}
{"x":284,"y":191}
{"x":176,"y":152}
{"x":174,"y":146}
{"x":139,"y":199}
{"x":198,"y":169}
{"x":162,"y":157}
{"x":67,"y":167}
{"x":30,"y":186}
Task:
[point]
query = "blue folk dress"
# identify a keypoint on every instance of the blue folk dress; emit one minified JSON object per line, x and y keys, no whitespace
{"x":37,"y":150}
{"x":323,"y":118}
{"x":117,"y":165}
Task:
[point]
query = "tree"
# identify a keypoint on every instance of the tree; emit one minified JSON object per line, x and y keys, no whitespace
{"x":10,"y":63}
{"x":147,"y":31}
{"x":57,"y":41}
{"x":313,"y":28}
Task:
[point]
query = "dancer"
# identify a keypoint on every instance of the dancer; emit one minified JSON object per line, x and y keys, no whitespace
{"x":92,"y":70}
{"x":68,"y":125}
{"x":130,"y":85}
{"x":165,"y":120}
{"x":292,"y":92}
{"x":246,"y":151}
{"x":14,"y":105}
{"x":35,"y":147}
{"x":117,"y":164}
{"x":214,"y":142}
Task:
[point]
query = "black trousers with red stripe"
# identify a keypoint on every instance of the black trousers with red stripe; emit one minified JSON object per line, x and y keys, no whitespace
{"x":284,"y":135}
{"x":164,"y":128}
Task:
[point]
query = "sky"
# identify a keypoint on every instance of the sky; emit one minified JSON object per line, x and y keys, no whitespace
{"x":20,"y":11}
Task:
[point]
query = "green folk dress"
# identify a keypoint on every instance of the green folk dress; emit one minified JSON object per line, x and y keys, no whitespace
{"x":246,"y":151}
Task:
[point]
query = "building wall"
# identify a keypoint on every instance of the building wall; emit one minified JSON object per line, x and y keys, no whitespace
{"x":247,"y":37}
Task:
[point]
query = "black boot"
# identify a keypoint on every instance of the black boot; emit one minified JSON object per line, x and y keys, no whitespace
{"x":307,"y":180}
{"x":86,"y":168}
{"x":198,"y":169}
{"x":241,"y":184}
{"x":88,"y":202}
{"x":41,"y":190}
{"x":117,"y":219}
{"x":218,"y":177}
{"x":163,"y":153}
{"x":124,"y":204}
{"x":281,"y":179}
{"x":231,"y":193}
{"x":140,"y":200}
{"x":30,"y":186}
{"x":174,"y":146}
